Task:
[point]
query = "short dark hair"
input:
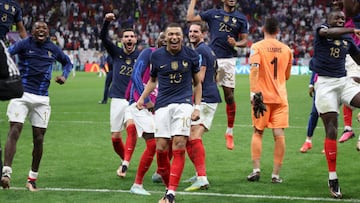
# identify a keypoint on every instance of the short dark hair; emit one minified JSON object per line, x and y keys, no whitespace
{"x":173,"y":25}
{"x":127,"y":29}
{"x":271,"y":25}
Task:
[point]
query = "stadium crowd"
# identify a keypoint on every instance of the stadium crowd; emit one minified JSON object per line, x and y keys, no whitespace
{"x":76,"y":24}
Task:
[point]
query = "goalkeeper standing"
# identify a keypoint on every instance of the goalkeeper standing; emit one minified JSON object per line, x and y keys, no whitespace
{"x":270,"y":65}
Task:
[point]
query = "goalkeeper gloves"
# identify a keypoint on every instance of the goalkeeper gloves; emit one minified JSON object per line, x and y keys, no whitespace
{"x":258,"y":105}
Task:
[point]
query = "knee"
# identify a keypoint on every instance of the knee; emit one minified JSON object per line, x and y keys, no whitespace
{"x":229,"y":98}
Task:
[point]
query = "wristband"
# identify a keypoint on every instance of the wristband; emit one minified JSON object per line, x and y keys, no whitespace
{"x":197,"y":107}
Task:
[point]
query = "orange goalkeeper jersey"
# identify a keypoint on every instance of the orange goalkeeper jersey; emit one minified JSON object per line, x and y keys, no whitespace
{"x":270,"y":66}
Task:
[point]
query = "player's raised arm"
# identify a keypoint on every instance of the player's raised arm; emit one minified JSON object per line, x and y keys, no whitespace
{"x":191,"y":17}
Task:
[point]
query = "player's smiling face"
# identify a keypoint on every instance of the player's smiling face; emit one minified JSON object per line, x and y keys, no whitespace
{"x":161,"y":42}
{"x":40,"y":32}
{"x":174,"y":38}
{"x":129,"y":41}
{"x":195,"y":34}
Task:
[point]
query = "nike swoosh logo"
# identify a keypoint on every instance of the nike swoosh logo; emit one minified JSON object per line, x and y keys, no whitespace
{"x":162,"y":66}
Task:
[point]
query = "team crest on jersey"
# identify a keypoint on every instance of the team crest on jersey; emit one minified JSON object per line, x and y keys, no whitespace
{"x":185,"y":64}
{"x":6,"y":6}
{"x":345,"y":43}
{"x":128,"y":61}
{"x":337,"y":42}
{"x":233,"y":20}
{"x":174,"y":65}
{"x":226,"y":19}
{"x":49,"y":53}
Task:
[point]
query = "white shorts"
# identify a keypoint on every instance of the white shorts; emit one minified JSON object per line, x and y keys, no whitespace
{"x":119,"y":114}
{"x":207,"y":113}
{"x":174,"y":119}
{"x":352,"y":68}
{"x":143,"y":119}
{"x":36,"y":107}
{"x":332,"y":92}
{"x":226,"y":72}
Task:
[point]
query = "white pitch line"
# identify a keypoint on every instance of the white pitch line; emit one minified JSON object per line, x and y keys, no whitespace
{"x":314,"y":199}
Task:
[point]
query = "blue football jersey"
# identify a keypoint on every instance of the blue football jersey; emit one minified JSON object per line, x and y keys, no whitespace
{"x":210,"y":91}
{"x":330,"y":53}
{"x":10,"y":13}
{"x":123,"y":64}
{"x":174,"y":74}
{"x":221,"y":25}
{"x":36,"y":62}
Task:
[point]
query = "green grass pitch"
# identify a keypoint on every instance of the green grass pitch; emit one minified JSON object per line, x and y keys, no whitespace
{"x":79,"y":164}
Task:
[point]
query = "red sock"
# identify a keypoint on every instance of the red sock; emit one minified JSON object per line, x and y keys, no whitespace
{"x":347,"y":112}
{"x":130,"y":142}
{"x":146,"y":160}
{"x":118,"y":146}
{"x":163,"y":165}
{"x":330,"y":153}
{"x":230,"y":112}
{"x":177,"y":167}
{"x":197,"y":155}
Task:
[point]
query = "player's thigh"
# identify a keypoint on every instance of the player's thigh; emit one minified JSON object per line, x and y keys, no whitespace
{"x":226,"y":72}
{"x":174,"y":119}
{"x":17,"y":109}
{"x":117,"y":114}
{"x":328,"y":93}
{"x":352,"y":68}
{"x":279,"y":117}
{"x":40,"y":112}
{"x":207,"y":113}
{"x":162,"y":120}
{"x":181,"y":119}
{"x":351,"y":89}
{"x":143,"y":119}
